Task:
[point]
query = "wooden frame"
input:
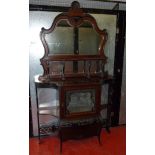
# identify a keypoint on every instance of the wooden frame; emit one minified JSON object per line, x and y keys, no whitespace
{"x":80,"y":87}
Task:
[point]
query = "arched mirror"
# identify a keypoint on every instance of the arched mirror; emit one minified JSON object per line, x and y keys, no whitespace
{"x":88,"y":40}
{"x":61,"y":39}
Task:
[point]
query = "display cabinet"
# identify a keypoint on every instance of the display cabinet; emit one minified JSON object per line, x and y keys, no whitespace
{"x":74,"y":66}
{"x":74,"y":112}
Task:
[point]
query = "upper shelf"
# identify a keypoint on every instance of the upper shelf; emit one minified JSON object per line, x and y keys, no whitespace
{"x":58,"y":82}
{"x":71,"y":57}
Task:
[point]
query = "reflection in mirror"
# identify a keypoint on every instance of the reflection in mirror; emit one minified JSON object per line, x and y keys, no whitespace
{"x":88,"y":39}
{"x":56,"y":67}
{"x":86,"y":66}
{"x":60,"y":41}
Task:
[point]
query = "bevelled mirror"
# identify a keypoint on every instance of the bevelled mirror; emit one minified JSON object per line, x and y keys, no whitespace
{"x":61,"y":39}
{"x":88,"y":39}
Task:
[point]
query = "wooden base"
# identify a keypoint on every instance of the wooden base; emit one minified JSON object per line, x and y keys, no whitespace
{"x":80,"y":131}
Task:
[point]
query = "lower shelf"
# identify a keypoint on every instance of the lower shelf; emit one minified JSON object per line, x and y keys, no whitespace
{"x":50,"y":128}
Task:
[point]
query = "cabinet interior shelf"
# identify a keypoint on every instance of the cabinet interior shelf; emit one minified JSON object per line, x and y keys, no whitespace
{"x":48,"y":105}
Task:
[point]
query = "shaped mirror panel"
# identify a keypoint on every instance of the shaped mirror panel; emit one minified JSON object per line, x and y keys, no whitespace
{"x":60,"y":41}
{"x":89,"y":39}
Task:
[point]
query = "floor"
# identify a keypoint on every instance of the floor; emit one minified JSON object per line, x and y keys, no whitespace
{"x":112,"y":144}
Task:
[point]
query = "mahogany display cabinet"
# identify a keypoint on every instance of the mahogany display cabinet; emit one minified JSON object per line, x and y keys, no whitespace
{"x":77,"y":72}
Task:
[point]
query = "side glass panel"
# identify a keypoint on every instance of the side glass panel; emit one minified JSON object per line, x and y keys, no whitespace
{"x":48,"y":104}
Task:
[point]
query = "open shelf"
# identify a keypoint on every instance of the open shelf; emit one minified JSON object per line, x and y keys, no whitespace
{"x":48,"y":105}
{"x":54,"y":111}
